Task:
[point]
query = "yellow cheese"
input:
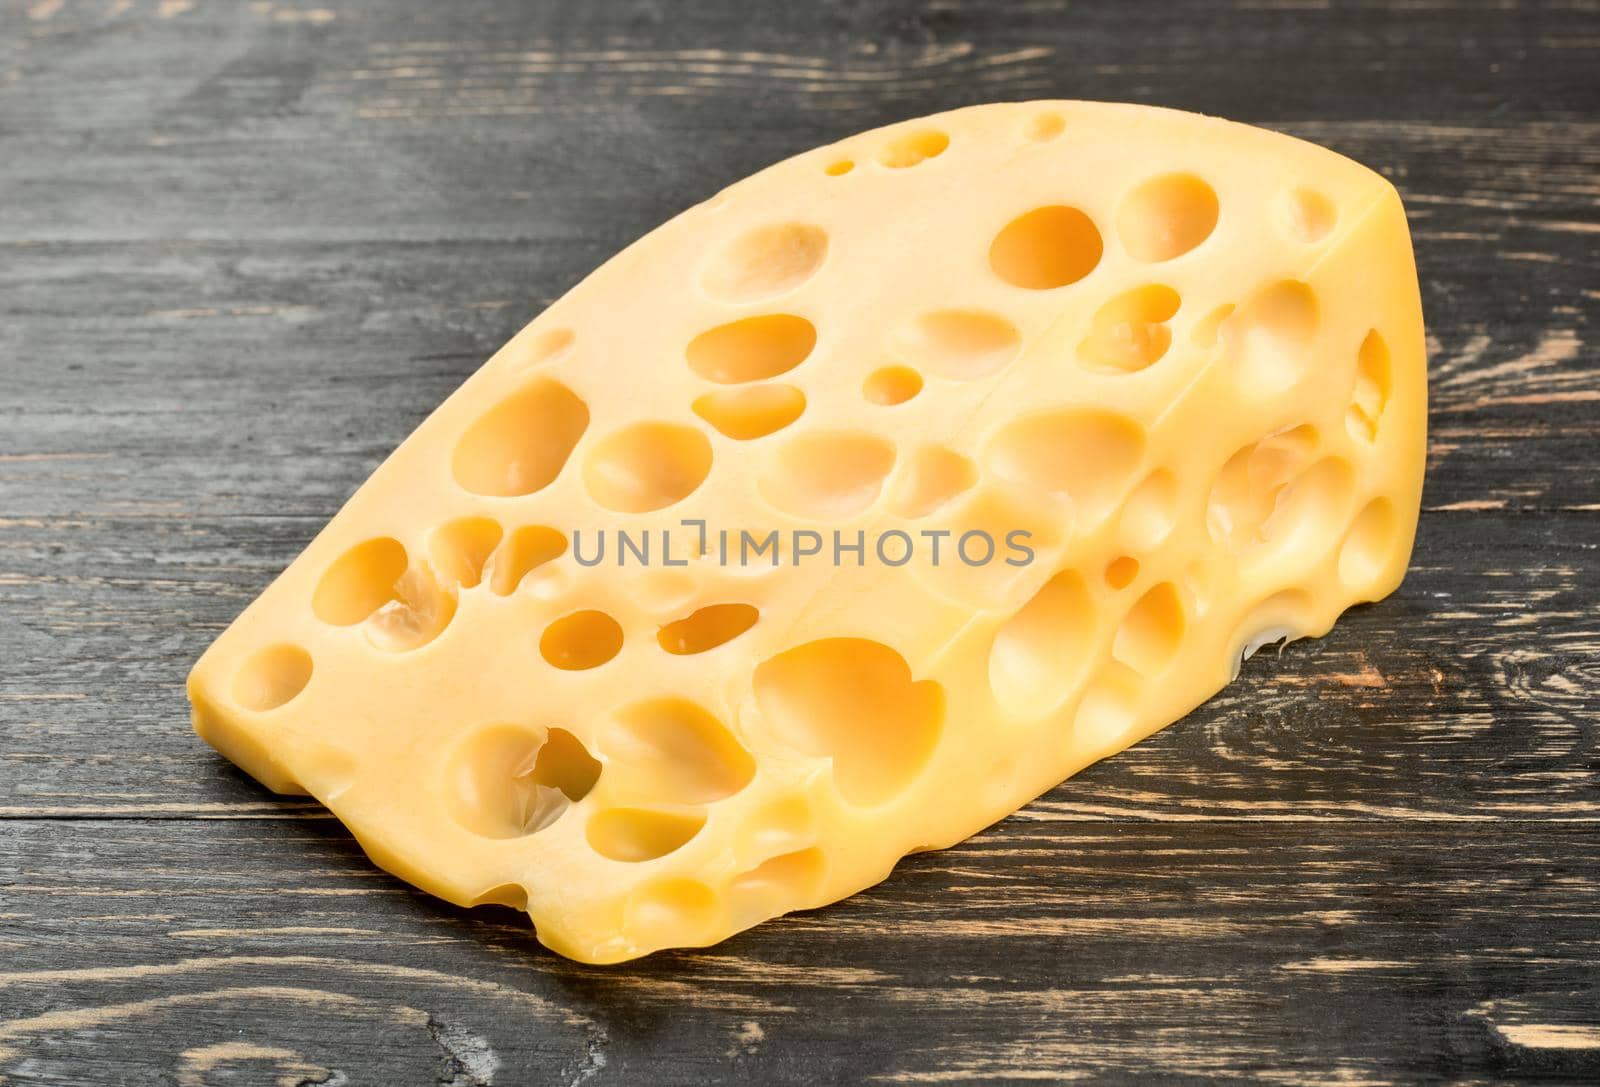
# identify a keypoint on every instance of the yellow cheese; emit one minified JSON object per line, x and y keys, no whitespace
{"x":1168,"y":368}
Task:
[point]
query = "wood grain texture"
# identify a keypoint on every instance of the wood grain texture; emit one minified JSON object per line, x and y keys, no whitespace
{"x":246,"y":247}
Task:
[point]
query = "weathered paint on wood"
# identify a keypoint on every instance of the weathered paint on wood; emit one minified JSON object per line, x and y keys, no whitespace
{"x":245,"y":247}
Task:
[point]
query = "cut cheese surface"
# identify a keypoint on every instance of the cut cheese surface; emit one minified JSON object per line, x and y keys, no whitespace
{"x":845,"y":513}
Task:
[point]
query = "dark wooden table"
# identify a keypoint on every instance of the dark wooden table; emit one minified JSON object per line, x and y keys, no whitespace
{"x":245,"y":247}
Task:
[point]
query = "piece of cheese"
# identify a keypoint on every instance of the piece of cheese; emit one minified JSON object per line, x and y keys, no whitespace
{"x":1176,"y":361}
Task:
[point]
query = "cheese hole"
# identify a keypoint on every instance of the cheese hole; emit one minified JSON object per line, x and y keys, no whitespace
{"x":1306,"y":215}
{"x":360,"y":581}
{"x":546,"y":348}
{"x":647,"y":466}
{"x":779,"y":827}
{"x":839,"y":167}
{"x":507,"y":781}
{"x":520,"y":445}
{"x":461,"y":549}
{"x":892,"y":385}
{"x":1046,"y":248}
{"x":1374,"y":379}
{"x":1369,"y":546}
{"x":1166,"y":217}
{"x":1045,"y":126}
{"x":1086,"y":454}
{"x":1121,"y":571}
{"x":853,"y":701}
{"x":766,"y":261}
{"x":1151,"y":632}
{"x":934,"y":475}
{"x":1247,"y":489}
{"x":828,"y":474}
{"x":671,"y":913}
{"x":1280,"y":618}
{"x":511,"y":895}
{"x":272,"y":677}
{"x":790,"y":881}
{"x":1107,"y":714}
{"x":752,"y":349}
{"x":582,"y":640}
{"x":752,"y":412}
{"x":1150,"y":512}
{"x":913,"y":148}
{"x":639,"y":834}
{"x":707,"y":628}
{"x":1130,"y":332}
{"x":1310,"y":511}
{"x":1207,"y":330}
{"x":1043,"y":651}
{"x":960,"y":344}
{"x":671,"y":750}
{"x":528,"y":548}
{"x":1269,"y":337}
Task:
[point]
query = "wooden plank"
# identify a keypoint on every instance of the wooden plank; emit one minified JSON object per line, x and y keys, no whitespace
{"x":244,"y":248}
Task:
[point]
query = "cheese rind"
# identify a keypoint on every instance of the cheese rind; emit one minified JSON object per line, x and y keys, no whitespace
{"x":1183,"y":356}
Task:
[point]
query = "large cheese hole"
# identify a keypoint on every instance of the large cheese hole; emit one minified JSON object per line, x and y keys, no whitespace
{"x":402,"y":606}
{"x":272,"y":677}
{"x":1085,"y":453}
{"x":960,"y":344}
{"x":791,"y":881}
{"x":1373,"y":381}
{"x":1306,"y":215}
{"x":1166,"y":217}
{"x":1042,"y":651}
{"x":1130,"y":332}
{"x":752,"y":412}
{"x":1269,"y":337}
{"x":1150,"y":512}
{"x":1247,"y":489}
{"x":828,"y":474}
{"x":1151,"y":631}
{"x":671,"y":750}
{"x":854,"y":701}
{"x":1369,"y":547}
{"x":707,"y":628}
{"x":528,"y":548}
{"x":639,"y":834}
{"x":520,"y":445}
{"x":647,"y":466}
{"x":582,"y":640}
{"x":766,"y":261}
{"x":752,"y":349}
{"x":892,"y":385}
{"x":1311,"y":510}
{"x":461,"y":549}
{"x":506,"y":781}
{"x":1046,"y":248}
{"x":933,"y":476}
{"x":913,"y":148}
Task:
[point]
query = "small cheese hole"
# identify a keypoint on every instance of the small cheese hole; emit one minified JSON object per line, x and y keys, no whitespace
{"x":1045,"y":126}
{"x":1248,"y":488}
{"x":1130,"y":332}
{"x":777,"y":885}
{"x":1374,"y":375}
{"x":1369,"y":547}
{"x":828,"y":474}
{"x":959,"y":344}
{"x":1042,"y":651}
{"x":647,"y":466}
{"x":913,"y":148}
{"x":1150,"y":512}
{"x":360,"y":582}
{"x":638,"y":834}
{"x":1121,"y":572}
{"x":752,"y":349}
{"x":1269,"y":337}
{"x":671,"y":912}
{"x":751,"y":412}
{"x":582,"y":640}
{"x":1108,"y":712}
{"x":892,"y":385}
{"x":672,"y":750}
{"x":461,"y":549}
{"x":528,"y":548}
{"x":1046,"y":248}
{"x":1166,"y":217}
{"x":819,"y":697}
{"x":1151,"y":632}
{"x":520,"y":445}
{"x":546,"y":349}
{"x":707,"y":628}
{"x":934,"y":475}
{"x":273,"y":677}
{"x":507,"y":781}
{"x":1306,"y":215}
{"x":766,"y":261}
{"x":839,"y":167}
